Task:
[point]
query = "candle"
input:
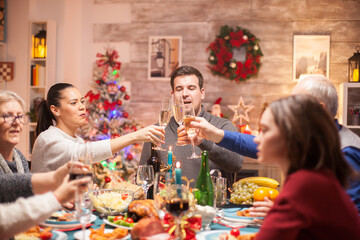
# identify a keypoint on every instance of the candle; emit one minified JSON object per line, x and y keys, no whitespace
{"x":247,"y":130}
{"x":178,"y":178}
{"x":170,"y":158}
{"x":178,"y":173}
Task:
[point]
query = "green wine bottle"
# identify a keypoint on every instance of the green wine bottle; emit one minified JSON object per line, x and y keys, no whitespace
{"x":205,"y":189}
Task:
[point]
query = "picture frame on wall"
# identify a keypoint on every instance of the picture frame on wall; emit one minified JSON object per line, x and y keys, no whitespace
{"x":164,"y":56}
{"x":311,"y":56}
{"x":3,"y":21}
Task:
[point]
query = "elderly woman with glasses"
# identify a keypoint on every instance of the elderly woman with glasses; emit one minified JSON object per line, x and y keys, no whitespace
{"x":12,"y":120}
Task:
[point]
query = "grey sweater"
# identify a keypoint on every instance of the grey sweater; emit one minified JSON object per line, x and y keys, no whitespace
{"x":15,"y":185}
{"x":219,"y":158}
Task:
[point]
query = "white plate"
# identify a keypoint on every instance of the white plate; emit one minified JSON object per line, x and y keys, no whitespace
{"x":79,"y":235}
{"x":67,"y":226}
{"x":59,"y":235}
{"x":115,"y":225}
{"x":214,"y":235}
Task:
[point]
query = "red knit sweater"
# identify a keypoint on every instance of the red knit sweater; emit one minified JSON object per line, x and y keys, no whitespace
{"x":311,"y":205}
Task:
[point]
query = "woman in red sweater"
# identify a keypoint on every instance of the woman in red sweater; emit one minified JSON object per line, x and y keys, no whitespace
{"x":299,"y":136}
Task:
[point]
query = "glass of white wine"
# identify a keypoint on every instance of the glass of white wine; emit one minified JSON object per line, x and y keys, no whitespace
{"x":178,"y":110}
{"x":188,"y":117}
{"x":164,"y":116}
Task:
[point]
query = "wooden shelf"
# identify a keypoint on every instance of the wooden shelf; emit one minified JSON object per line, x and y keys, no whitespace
{"x":36,"y":93}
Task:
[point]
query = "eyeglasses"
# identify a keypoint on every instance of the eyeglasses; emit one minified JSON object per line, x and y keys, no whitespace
{"x":10,"y":119}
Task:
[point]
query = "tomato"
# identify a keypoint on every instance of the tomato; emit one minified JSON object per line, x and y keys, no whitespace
{"x":235,"y":232}
{"x":124,"y":196}
{"x":45,"y":235}
{"x":260,"y":194}
{"x":129,"y":220}
{"x":117,"y":218}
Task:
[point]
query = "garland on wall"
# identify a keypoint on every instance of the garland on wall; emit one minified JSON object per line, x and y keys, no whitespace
{"x":221,"y":54}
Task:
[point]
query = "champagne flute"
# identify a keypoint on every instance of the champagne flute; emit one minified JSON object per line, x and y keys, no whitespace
{"x":164,"y":116}
{"x":83,"y":204}
{"x":188,"y":117}
{"x":177,"y":203}
{"x":178,"y":110}
{"x":145,"y":177}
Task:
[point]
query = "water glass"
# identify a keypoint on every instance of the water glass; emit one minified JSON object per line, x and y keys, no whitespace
{"x":220,"y":190}
{"x":145,"y":177}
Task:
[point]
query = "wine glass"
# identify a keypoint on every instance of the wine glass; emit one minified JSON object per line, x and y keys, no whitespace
{"x":162,"y":180}
{"x":178,"y":110}
{"x":188,"y":117}
{"x":83,"y":204}
{"x":145,"y":177}
{"x":177,"y":203}
{"x":164,"y":116}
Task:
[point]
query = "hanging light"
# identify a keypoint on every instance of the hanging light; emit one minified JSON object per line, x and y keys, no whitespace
{"x":159,"y":59}
{"x":39,"y":48}
{"x":354,"y":65}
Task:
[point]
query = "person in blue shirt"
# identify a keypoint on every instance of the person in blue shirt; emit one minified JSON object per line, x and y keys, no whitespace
{"x":322,"y":89}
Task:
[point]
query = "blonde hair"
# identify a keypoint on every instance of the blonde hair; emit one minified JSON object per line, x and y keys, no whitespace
{"x":7,"y":96}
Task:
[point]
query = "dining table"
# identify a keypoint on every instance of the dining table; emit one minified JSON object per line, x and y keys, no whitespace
{"x":215,"y":226}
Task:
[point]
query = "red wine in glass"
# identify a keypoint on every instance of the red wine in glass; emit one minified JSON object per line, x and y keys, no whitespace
{"x":74,"y":176}
{"x":177,"y":206}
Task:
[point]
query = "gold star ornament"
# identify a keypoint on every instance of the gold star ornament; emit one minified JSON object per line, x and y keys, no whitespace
{"x":241,"y":111}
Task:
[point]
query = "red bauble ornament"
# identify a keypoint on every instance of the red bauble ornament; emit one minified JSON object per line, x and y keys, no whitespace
{"x":129,"y":157}
{"x":112,"y":88}
{"x":125,"y":114}
{"x":122,"y":89}
{"x":127,"y":97}
{"x":134,"y":128}
{"x":105,"y":131}
{"x":118,"y":102}
{"x":107,"y":179}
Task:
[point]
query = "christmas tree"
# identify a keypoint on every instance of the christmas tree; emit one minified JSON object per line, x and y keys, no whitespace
{"x":108,"y":118}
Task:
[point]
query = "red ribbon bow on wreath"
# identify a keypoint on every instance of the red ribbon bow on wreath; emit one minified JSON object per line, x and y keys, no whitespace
{"x":188,"y":226}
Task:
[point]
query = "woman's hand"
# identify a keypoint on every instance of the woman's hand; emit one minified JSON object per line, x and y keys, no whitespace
{"x":59,"y":174}
{"x":67,"y":190}
{"x":152,"y":133}
{"x":206,"y":130}
{"x":261,"y":209}
{"x":183,"y":138}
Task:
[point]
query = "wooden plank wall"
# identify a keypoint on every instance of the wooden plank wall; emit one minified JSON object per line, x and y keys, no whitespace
{"x":274,"y":22}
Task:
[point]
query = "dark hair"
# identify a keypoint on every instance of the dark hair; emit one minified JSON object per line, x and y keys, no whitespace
{"x":185,"y":71}
{"x":45,"y":116}
{"x":312,"y":139}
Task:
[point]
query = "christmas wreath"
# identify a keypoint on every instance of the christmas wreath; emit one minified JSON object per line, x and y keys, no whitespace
{"x":221,"y":54}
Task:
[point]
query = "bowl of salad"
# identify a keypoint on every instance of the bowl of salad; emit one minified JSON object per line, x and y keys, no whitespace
{"x":111,"y":201}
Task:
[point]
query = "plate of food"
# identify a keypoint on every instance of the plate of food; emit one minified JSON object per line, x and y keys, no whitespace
{"x":62,"y":217}
{"x":103,"y":233}
{"x":224,"y":234}
{"x":120,"y":221}
{"x":67,"y":226}
{"x":36,"y":232}
{"x":237,"y":213}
